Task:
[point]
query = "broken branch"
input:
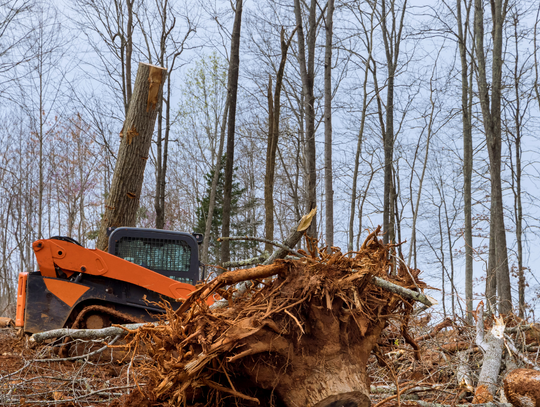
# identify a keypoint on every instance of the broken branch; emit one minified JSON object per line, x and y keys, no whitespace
{"x":402,"y":291}
{"x":247,"y":262}
{"x":262,"y":240}
{"x":85,"y":333}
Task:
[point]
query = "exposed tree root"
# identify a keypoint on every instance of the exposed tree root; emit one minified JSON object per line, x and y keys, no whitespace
{"x":306,"y":335}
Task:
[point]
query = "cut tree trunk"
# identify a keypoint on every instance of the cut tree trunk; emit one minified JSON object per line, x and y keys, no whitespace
{"x":492,"y":346}
{"x":123,"y":201}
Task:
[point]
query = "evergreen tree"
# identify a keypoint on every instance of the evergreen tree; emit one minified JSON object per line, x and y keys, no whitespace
{"x":238,"y":227}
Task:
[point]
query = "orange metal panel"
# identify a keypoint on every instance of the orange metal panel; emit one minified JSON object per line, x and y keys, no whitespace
{"x":21,"y":299}
{"x":66,"y":291}
{"x":72,"y":258}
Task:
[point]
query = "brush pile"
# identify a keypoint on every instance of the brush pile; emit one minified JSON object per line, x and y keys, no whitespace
{"x":300,"y":335}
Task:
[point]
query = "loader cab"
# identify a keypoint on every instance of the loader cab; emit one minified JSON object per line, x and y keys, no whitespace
{"x":172,"y":254}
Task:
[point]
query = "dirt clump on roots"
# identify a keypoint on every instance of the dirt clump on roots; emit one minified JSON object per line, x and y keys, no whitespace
{"x":301,"y":334}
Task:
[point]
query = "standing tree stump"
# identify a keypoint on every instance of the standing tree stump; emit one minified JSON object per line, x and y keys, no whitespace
{"x":123,"y":200}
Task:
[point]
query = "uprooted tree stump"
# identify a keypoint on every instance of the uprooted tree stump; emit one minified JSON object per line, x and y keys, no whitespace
{"x":303,"y":338}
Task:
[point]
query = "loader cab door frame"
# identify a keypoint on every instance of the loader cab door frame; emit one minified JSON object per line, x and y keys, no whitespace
{"x":172,"y":254}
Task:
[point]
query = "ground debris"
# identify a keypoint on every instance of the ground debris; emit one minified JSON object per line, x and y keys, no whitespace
{"x":36,"y":376}
{"x":308,"y":331}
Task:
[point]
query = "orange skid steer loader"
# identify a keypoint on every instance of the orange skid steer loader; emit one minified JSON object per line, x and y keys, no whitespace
{"x":85,"y":288}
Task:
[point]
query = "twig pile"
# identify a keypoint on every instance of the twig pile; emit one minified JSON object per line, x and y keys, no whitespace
{"x":281,"y":330}
{"x":37,"y":376}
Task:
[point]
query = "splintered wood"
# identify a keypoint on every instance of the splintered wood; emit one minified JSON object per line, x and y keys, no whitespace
{"x":301,"y":337}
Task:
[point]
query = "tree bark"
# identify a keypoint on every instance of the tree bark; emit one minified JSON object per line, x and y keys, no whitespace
{"x":274,"y":109}
{"x":213,"y":188}
{"x":491,"y":114}
{"x":517,"y":173}
{"x":123,"y":201}
{"x":466,"y":105}
{"x":307,"y":73}
{"x":328,"y":183}
{"x":232,"y":93}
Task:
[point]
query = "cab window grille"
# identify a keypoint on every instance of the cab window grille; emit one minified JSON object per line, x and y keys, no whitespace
{"x":156,"y":254}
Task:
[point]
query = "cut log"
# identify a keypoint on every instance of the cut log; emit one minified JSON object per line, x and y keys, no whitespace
{"x":123,"y":201}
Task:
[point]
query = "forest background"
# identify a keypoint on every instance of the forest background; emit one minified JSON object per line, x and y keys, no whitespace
{"x":419,"y":116}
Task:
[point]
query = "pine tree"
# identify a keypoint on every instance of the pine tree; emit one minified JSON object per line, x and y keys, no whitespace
{"x":238,"y":227}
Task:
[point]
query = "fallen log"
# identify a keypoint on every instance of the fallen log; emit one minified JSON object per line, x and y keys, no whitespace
{"x":123,"y":330}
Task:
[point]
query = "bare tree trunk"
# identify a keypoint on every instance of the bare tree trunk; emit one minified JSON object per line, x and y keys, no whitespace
{"x":517,"y":172}
{"x":491,"y":274}
{"x":491,"y":113}
{"x":213,"y":188}
{"x":232,"y":95}
{"x":274,"y":108}
{"x":392,"y":41}
{"x":466,"y":105}
{"x":127,"y":43}
{"x":328,"y":183}
{"x":307,"y":73}
{"x":160,"y":175}
{"x":123,"y":200}
{"x":354,"y":188}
